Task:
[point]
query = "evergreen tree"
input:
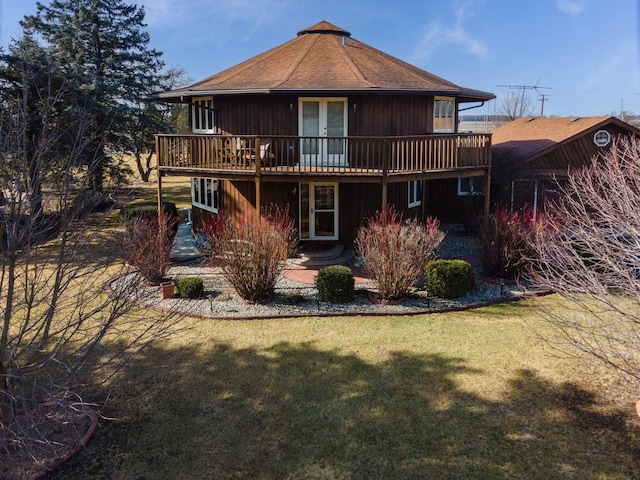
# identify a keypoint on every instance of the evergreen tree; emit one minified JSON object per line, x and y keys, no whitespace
{"x":34,"y":112}
{"x":102,"y":47}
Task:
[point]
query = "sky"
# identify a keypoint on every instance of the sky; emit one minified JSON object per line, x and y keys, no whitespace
{"x":585,"y":53}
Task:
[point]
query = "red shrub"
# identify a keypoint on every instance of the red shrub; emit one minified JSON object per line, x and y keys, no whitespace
{"x":147,"y":244}
{"x":253,"y":251}
{"x":506,"y":241}
{"x":395,"y":252}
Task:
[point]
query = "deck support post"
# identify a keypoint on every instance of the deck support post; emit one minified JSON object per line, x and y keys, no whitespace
{"x":159,"y":176}
{"x":258,"y":178}
{"x":385,"y":180}
{"x":487,"y":198}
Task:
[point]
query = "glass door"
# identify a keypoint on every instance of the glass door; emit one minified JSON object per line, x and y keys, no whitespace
{"x":323,"y":121}
{"x":319,"y":211}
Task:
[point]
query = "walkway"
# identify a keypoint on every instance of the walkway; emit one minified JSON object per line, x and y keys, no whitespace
{"x":185,"y":251}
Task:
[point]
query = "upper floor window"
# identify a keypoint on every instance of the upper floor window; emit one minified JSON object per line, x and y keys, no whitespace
{"x":205,"y":193}
{"x":443,"y":114}
{"x":415,"y":193}
{"x":471,"y":186}
{"x":203,"y":116}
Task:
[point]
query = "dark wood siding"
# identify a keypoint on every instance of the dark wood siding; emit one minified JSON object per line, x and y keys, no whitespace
{"x":578,"y":152}
{"x":370,"y":115}
{"x":444,"y":203}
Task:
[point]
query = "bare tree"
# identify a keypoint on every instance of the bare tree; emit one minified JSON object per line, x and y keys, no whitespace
{"x":514,"y":105}
{"x":60,"y":332}
{"x":589,"y":255}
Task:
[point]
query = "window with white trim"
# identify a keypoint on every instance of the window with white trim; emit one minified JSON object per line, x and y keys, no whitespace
{"x":415,"y":193}
{"x":471,"y":186}
{"x":443,"y":114}
{"x":602,"y":138}
{"x":205,"y":193}
{"x":203,"y":116}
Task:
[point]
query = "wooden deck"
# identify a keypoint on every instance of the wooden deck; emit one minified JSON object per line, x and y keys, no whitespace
{"x":362,"y":159}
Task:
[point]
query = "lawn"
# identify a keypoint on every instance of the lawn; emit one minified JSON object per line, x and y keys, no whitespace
{"x":464,"y":395}
{"x":449,"y":396}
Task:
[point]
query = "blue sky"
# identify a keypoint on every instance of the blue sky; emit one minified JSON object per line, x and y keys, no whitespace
{"x":586,"y":51}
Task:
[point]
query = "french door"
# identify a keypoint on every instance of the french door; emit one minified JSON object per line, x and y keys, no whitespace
{"x":318,"y":211}
{"x":323,"y":121}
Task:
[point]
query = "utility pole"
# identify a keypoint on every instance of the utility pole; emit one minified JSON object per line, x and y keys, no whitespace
{"x":542,"y":99}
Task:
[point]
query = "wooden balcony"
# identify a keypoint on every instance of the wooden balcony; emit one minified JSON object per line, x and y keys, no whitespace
{"x":288,"y":158}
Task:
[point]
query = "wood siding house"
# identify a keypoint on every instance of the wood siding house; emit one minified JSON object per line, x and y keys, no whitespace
{"x":531,"y":156}
{"x":331,"y":127}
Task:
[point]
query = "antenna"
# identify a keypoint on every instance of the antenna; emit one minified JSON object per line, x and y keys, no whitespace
{"x":535,"y":87}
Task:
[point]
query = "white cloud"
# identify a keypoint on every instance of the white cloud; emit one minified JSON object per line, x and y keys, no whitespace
{"x":439,"y":36}
{"x":572,"y":7}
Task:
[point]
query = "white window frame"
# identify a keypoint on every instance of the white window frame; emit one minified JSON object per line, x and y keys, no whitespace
{"x":444,"y":112}
{"x":602,"y":138}
{"x":475,"y":188}
{"x":414,"y":189}
{"x":205,"y":193}
{"x":203,"y":116}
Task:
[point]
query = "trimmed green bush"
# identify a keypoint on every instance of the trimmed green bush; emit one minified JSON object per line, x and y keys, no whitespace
{"x":335,"y":284}
{"x":448,"y":278}
{"x":149,"y":210}
{"x":190,"y":287}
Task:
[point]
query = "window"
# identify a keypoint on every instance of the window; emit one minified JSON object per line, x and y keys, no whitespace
{"x":203,"y":116}
{"x":415,"y":193}
{"x":471,"y":186}
{"x":602,"y":138}
{"x":205,"y":193}
{"x":443,"y":114}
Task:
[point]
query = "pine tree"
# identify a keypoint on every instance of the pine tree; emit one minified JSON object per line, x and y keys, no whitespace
{"x":102,"y":47}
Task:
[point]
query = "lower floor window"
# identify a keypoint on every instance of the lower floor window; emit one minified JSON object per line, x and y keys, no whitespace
{"x":471,"y":186}
{"x":205,"y":193}
{"x":415,"y":193}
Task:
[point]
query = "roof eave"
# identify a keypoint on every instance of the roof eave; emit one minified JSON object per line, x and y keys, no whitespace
{"x":463,"y":96}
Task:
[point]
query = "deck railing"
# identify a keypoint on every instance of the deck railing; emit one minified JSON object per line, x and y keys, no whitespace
{"x":343,"y":155}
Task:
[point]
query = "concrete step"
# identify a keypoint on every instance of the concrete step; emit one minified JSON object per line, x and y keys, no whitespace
{"x":336,"y":255}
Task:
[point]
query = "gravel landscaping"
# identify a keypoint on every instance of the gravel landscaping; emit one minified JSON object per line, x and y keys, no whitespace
{"x":294,"y":298}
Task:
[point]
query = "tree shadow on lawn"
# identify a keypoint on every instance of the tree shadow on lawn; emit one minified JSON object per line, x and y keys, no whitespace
{"x":294,"y":411}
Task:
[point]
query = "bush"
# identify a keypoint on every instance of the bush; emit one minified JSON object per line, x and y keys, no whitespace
{"x":335,"y":284}
{"x":506,"y":238}
{"x":394,"y":251}
{"x":150,"y":210}
{"x":190,"y":287}
{"x":253,"y":251}
{"x":448,"y":278}
{"x":147,"y":244}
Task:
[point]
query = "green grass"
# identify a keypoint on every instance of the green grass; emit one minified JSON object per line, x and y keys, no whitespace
{"x":466,"y":395}
{"x":446,"y":396}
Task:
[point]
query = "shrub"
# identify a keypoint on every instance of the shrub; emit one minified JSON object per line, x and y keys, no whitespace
{"x":253,"y":251}
{"x":190,"y":287}
{"x":147,"y":244}
{"x":149,"y":210}
{"x":335,"y":284}
{"x":394,"y":251}
{"x":448,"y":278}
{"x":506,"y":238}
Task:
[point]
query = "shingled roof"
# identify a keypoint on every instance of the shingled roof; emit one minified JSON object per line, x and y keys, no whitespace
{"x":325,"y":59}
{"x":526,"y":138}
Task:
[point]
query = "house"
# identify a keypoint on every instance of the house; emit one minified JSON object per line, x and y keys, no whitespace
{"x":331,"y":127}
{"x":530,"y":156}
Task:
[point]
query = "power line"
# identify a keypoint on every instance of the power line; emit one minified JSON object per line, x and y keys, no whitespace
{"x":535,"y":87}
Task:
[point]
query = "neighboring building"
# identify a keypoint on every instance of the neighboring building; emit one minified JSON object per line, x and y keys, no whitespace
{"x":531,"y":156}
{"x":331,"y":127}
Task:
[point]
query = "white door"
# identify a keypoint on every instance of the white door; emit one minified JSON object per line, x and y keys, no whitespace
{"x":324,"y":121}
{"x":319,"y":211}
